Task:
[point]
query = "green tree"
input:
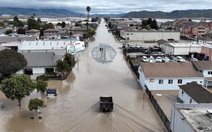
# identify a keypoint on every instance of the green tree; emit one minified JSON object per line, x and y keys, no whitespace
{"x":39,"y":20}
{"x":11,"y":61}
{"x":41,"y":86}
{"x":144,"y":24}
{"x":78,"y":24}
{"x":62,"y":67}
{"x":47,"y":26}
{"x":33,"y":24}
{"x":154,"y":25}
{"x":149,"y":21}
{"x":17,"y":22}
{"x":9,"y":31}
{"x":1,"y":24}
{"x":34,"y":103}
{"x":70,"y":59}
{"x":91,"y":32}
{"x":63,"y":24}
{"x":17,"y":87}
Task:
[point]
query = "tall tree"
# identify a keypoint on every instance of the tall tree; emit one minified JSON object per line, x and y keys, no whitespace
{"x":17,"y":87}
{"x":17,"y":22}
{"x":62,"y":67}
{"x":63,"y":24}
{"x":33,"y":24}
{"x":88,"y":9}
{"x":11,"y":61}
{"x":154,"y":24}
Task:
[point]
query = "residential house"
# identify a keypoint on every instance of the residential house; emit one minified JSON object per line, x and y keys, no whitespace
{"x":167,"y":76}
{"x":51,"y":34}
{"x":205,"y":67}
{"x":33,"y":32}
{"x":200,"y":29}
{"x":194,"y":93}
{"x":180,"y":22}
{"x":149,"y":35}
{"x":78,"y":30}
{"x":39,"y":63}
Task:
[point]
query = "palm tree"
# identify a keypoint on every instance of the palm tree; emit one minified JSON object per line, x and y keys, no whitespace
{"x":88,"y":8}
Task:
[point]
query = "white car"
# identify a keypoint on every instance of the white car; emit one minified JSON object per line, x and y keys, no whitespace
{"x":180,"y":59}
{"x":145,"y":59}
{"x":151,"y":59}
{"x":158,"y":59}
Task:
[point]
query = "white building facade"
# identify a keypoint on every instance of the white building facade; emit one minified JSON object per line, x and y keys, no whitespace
{"x":167,"y":76}
{"x":149,"y":35}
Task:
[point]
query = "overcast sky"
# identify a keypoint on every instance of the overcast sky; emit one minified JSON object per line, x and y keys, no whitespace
{"x":111,"y":6}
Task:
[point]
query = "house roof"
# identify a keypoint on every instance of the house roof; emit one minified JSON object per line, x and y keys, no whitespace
{"x":197,"y":92}
{"x":51,"y":30}
{"x":203,"y":65}
{"x":41,"y":59}
{"x":174,"y":69}
{"x":33,"y":31}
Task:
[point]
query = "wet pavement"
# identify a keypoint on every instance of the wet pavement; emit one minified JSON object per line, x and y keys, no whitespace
{"x":76,"y":107}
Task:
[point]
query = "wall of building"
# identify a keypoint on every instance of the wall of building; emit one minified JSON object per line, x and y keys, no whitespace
{"x":180,"y":124}
{"x":185,"y":97}
{"x":153,"y":83}
{"x":141,"y":77}
{"x":186,"y":50}
{"x":150,"y":36}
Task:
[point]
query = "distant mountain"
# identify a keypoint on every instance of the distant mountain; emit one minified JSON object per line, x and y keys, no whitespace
{"x":39,"y":12}
{"x":174,"y":14}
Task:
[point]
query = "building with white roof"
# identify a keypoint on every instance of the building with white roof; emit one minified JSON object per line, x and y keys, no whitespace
{"x":182,"y":48}
{"x":59,"y":47}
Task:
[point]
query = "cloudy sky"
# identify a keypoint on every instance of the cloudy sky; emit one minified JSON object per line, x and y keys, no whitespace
{"x":111,"y":6}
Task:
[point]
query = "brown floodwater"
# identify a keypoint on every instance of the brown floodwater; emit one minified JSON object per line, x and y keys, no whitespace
{"x":76,"y":107}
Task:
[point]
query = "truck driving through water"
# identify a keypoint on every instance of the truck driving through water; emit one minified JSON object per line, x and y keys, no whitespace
{"x":106,"y":103}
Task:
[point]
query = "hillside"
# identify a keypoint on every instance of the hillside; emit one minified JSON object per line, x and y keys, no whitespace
{"x":174,"y":14}
{"x":40,"y":12}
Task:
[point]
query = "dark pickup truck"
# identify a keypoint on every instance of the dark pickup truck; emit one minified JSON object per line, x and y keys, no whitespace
{"x":106,"y":103}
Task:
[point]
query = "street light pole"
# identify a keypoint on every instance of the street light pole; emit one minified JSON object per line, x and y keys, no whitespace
{"x":174,"y":108}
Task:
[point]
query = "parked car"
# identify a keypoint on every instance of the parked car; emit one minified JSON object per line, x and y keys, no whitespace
{"x":158,"y":59}
{"x":180,"y":59}
{"x":151,"y":59}
{"x":166,"y":59}
{"x":193,"y":59}
{"x":145,"y":59}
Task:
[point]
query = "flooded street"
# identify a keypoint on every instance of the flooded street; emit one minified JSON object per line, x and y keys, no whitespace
{"x":76,"y":107}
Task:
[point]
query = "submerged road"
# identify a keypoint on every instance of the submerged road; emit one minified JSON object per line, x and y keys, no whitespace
{"x":76,"y":107}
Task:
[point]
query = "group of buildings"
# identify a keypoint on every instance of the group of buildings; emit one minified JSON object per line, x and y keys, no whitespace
{"x":42,"y":53}
{"x":190,"y":78}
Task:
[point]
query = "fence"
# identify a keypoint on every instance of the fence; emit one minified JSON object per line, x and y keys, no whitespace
{"x":159,"y":110}
{"x":134,"y":67}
